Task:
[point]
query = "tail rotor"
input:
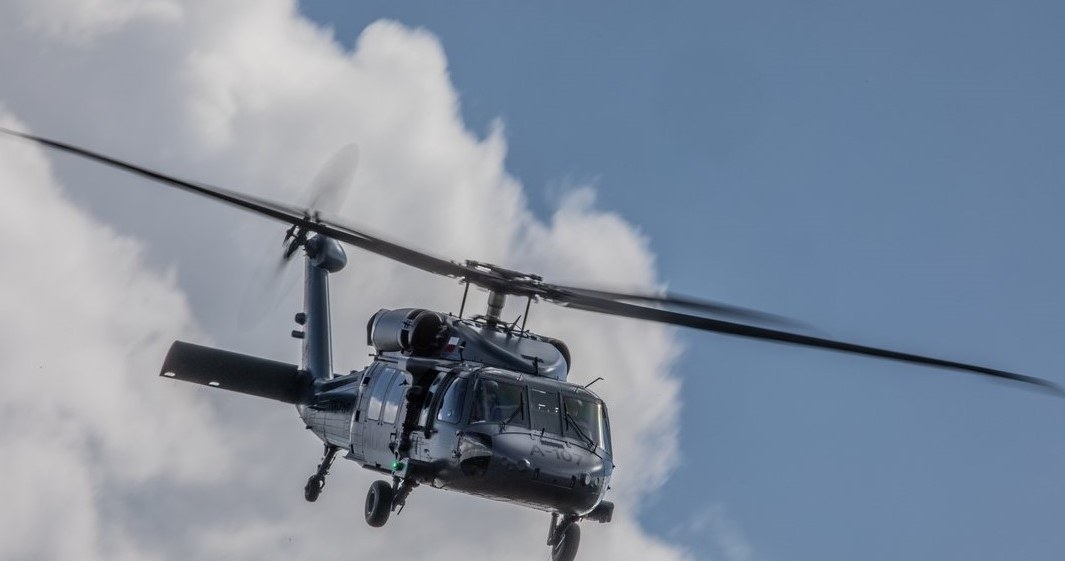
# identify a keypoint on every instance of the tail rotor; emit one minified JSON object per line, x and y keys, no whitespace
{"x":272,"y":278}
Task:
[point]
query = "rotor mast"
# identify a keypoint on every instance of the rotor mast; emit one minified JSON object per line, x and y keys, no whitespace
{"x":501,"y":283}
{"x":496,"y":301}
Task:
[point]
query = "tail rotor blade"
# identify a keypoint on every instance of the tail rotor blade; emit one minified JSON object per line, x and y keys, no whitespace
{"x":272,"y":279}
{"x":330,"y":188}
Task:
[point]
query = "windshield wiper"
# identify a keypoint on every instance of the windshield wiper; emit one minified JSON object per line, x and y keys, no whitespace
{"x":572,"y":421}
{"x":521,"y":405}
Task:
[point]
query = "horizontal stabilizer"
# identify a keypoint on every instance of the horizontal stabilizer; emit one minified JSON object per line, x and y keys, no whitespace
{"x":234,"y":372}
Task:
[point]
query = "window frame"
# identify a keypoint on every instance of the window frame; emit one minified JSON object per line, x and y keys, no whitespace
{"x":462,"y":406}
{"x":432,"y":397}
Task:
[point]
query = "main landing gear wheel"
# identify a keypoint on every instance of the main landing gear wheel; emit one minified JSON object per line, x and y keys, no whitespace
{"x":378,"y":503}
{"x":569,"y":541}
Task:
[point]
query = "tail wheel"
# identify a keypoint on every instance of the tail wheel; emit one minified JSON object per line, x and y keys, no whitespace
{"x":378,"y":503}
{"x":313,"y":488}
{"x":566,"y":548}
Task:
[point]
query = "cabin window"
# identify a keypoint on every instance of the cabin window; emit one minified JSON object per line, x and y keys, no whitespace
{"x":395,"y":395}
{"x":583,"y":419}
{"x":499,"y":402}
{"x":377,"y":397}
{"x":544,"y":411}
{"x":451,"y":404}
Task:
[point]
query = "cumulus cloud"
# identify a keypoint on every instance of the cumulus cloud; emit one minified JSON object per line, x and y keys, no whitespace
{"x":104,"y":460}
{"x":80,"y":417}
{"x":80,"y":21}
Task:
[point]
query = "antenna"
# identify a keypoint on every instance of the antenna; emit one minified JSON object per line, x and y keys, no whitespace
{"x":465,"y":293}
{"x":528,"y":302}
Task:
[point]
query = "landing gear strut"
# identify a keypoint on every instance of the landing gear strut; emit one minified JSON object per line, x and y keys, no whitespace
{"x":317,"y":481}
{"x":402,"y":490}
{"x":564,"y":537}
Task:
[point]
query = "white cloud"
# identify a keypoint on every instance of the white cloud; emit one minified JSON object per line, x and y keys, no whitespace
{"x":81,"y":21}
{"x":249,"y":95}
{"x":81,"y":412}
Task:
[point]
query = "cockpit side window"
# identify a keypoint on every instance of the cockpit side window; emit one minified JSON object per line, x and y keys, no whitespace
{"x":499,"y":402}
{"x":544,"y":411}
{"x":451,"y":404}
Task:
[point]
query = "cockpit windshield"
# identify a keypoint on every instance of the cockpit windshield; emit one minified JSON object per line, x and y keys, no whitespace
{"x":579,"y":415}
{"x":544,"y":411}
{"x":498,"y":402}
{"x":584,"y":419}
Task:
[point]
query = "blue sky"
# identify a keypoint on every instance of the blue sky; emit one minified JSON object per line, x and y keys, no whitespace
{"x":888,"y":172}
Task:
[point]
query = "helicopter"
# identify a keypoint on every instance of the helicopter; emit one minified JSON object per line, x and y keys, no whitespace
{"x":467,"y":403}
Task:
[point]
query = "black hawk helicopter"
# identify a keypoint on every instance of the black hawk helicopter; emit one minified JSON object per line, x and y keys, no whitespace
{"x":470,"y":404}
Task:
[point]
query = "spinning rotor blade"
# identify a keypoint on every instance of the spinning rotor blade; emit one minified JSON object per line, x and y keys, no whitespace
{"x":515,"y":283}
{"x":333,"y":182}
{"x":671,"y":300}
{"x":271,"y":280}
{"x":362,"y":240}
{"x":592,"y":303}
{"x":265,"y":207}
{"x":303,"y":218}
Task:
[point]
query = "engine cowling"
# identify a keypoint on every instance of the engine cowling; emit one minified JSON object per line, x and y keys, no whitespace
{"x":414,"y":331}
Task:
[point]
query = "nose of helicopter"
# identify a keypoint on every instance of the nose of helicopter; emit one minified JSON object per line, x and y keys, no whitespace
{"x":540,"y":471}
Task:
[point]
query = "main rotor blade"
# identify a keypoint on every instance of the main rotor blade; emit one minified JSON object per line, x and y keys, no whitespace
{"x":278,"y":211}
{"x":605,"y":302}
{"x":673,"y":300}
{"x":262,"y":206}
{"x":332,"y":228}
{"x":594,"y":303}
